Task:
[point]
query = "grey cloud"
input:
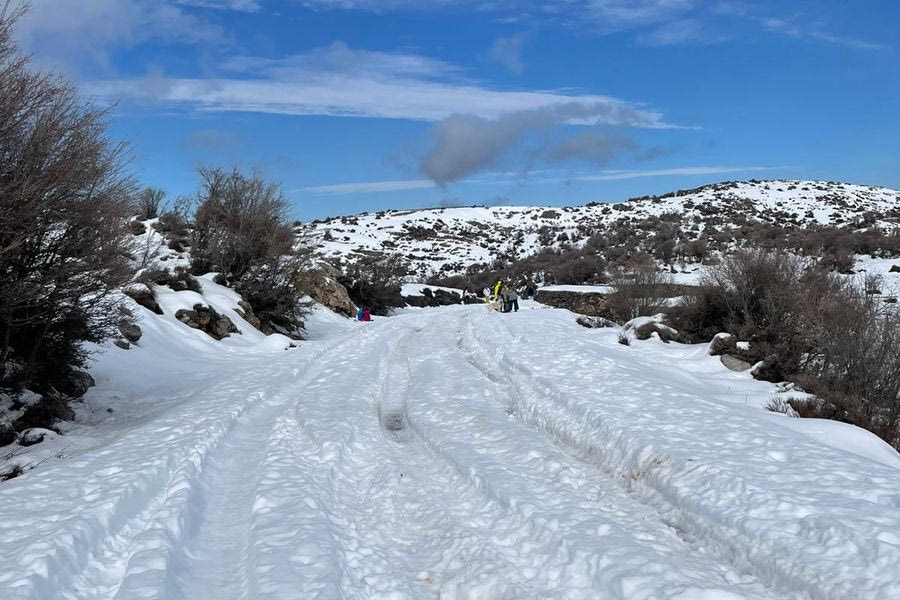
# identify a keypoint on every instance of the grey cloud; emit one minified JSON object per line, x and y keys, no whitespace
{"x":595,"y":146}
{"x":467,"y":144}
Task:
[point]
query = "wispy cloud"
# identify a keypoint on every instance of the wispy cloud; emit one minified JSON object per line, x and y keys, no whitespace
{"x":548,"y":176}
{"x":66,"y":32}
{"x":238,"y":5}
{"x":339,"y":81}
{"x":813,"y":32}
{"x":366,"y":187}
{"x":614,"y":175}
{"x":507,"y":52}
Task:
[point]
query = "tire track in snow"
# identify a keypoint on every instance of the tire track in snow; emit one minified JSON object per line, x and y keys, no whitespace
{"x":136,"y":544}
{"x":557,"y":499}
{"x":635,"y":474}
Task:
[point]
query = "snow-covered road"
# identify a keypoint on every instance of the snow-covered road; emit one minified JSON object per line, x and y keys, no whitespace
{"x":456,"y":453}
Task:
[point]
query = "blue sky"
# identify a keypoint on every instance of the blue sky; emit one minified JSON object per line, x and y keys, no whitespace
{"x":364,"y":105}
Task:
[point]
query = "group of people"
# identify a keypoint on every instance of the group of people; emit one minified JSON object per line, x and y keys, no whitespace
{"x":502,"y":297}
{"x":363,"y":314}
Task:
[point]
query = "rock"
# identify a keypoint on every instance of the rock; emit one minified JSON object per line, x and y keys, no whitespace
{"x":720,"y":344}
{"x":246,"y":313}
{"x":44,"y":414}
{"x":35,"y":435}
{"x":894,"y":269}
{"x":734,"y":363}
{"x":144,"y":296}
{"x":594,"y":322}
{"x":207,"y":320}
{"x":646,"y":331}
{"x":322,"y":286}
{"x":592,"y":304}
{"x":767,"y":369}
{"x":123,"y":344}
{"x":76,"y":384}
{"x":7,"y":434}
{"x":130,"y":331}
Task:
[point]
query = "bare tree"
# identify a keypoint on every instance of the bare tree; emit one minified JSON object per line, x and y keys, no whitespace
{"x":641,"y":289}
{"x":149,"y":201}
{"x":64,"y":198}
{"x":241,"y":230}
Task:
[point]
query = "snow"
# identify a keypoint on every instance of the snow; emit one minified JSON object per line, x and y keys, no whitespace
{"x":448,"y":453}
{"x":447,"y":240}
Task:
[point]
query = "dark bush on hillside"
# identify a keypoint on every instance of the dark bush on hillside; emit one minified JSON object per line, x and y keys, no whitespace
{"x":148,"y":202}
{"x":827,"y":333}
{"x":640,"y":290}
{"x":64,"y":204}
{"x":374,"y":281}
{"x":241,"y":230}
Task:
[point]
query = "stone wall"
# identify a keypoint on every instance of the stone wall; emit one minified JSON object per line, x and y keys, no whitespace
{"x":593,"y":304}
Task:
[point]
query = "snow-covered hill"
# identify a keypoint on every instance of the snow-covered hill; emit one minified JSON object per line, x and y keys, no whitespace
{"x":447,"y":240}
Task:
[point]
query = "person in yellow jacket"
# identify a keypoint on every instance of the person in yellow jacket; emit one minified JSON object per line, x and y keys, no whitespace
{"x":497,"y":287}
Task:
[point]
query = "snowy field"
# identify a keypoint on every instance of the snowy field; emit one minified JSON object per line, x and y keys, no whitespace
{"x":446,"y":453}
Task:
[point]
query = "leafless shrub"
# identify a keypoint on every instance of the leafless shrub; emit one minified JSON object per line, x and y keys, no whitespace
{"x":64,"y":200}
{"x":640,"y":290}
{"x":830,"y":334}
{"x":149,"y":201}
{"x":241,"y":230}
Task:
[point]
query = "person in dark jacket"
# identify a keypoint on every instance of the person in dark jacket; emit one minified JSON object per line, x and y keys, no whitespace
{"x":366,"y":314}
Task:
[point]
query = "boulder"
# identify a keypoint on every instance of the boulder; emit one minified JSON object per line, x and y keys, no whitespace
{"x":144,"y":296}
{"x":734,"y":363}
{"x":646,"y":330}
{"x":322,"y":286}
{"x":130,"y":331}
{"x":76,"y":384}
{"x":207,"y":320}
{"x":35,"y":435}
{"x":44,"y":414}
{"x":594,"y":322}
{"x":123,"y":344}
{"x":246,"y":313}
{"x":720,"y":344}
{"x":7,"y":434}
{"x":894,"y":269}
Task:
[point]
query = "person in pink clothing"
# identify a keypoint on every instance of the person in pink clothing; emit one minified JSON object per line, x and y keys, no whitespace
{"x":366,"y":314}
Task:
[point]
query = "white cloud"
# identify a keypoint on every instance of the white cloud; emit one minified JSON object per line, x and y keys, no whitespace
{"x":506,"y":178}
{"x":238,"y":5}
{"x":614,"y":175}
{"x":507,"y":52}
{"x":362,"y":84}
{"x":71,"y":32}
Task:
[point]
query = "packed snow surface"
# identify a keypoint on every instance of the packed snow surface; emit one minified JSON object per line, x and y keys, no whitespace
{"x":448,"y":453}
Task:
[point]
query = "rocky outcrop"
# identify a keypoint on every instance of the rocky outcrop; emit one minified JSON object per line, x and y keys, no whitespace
{"x":592,"y":304}
{"x":322,"y":286}
{"x":207,"y":320}
{"x":894,"y":269}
